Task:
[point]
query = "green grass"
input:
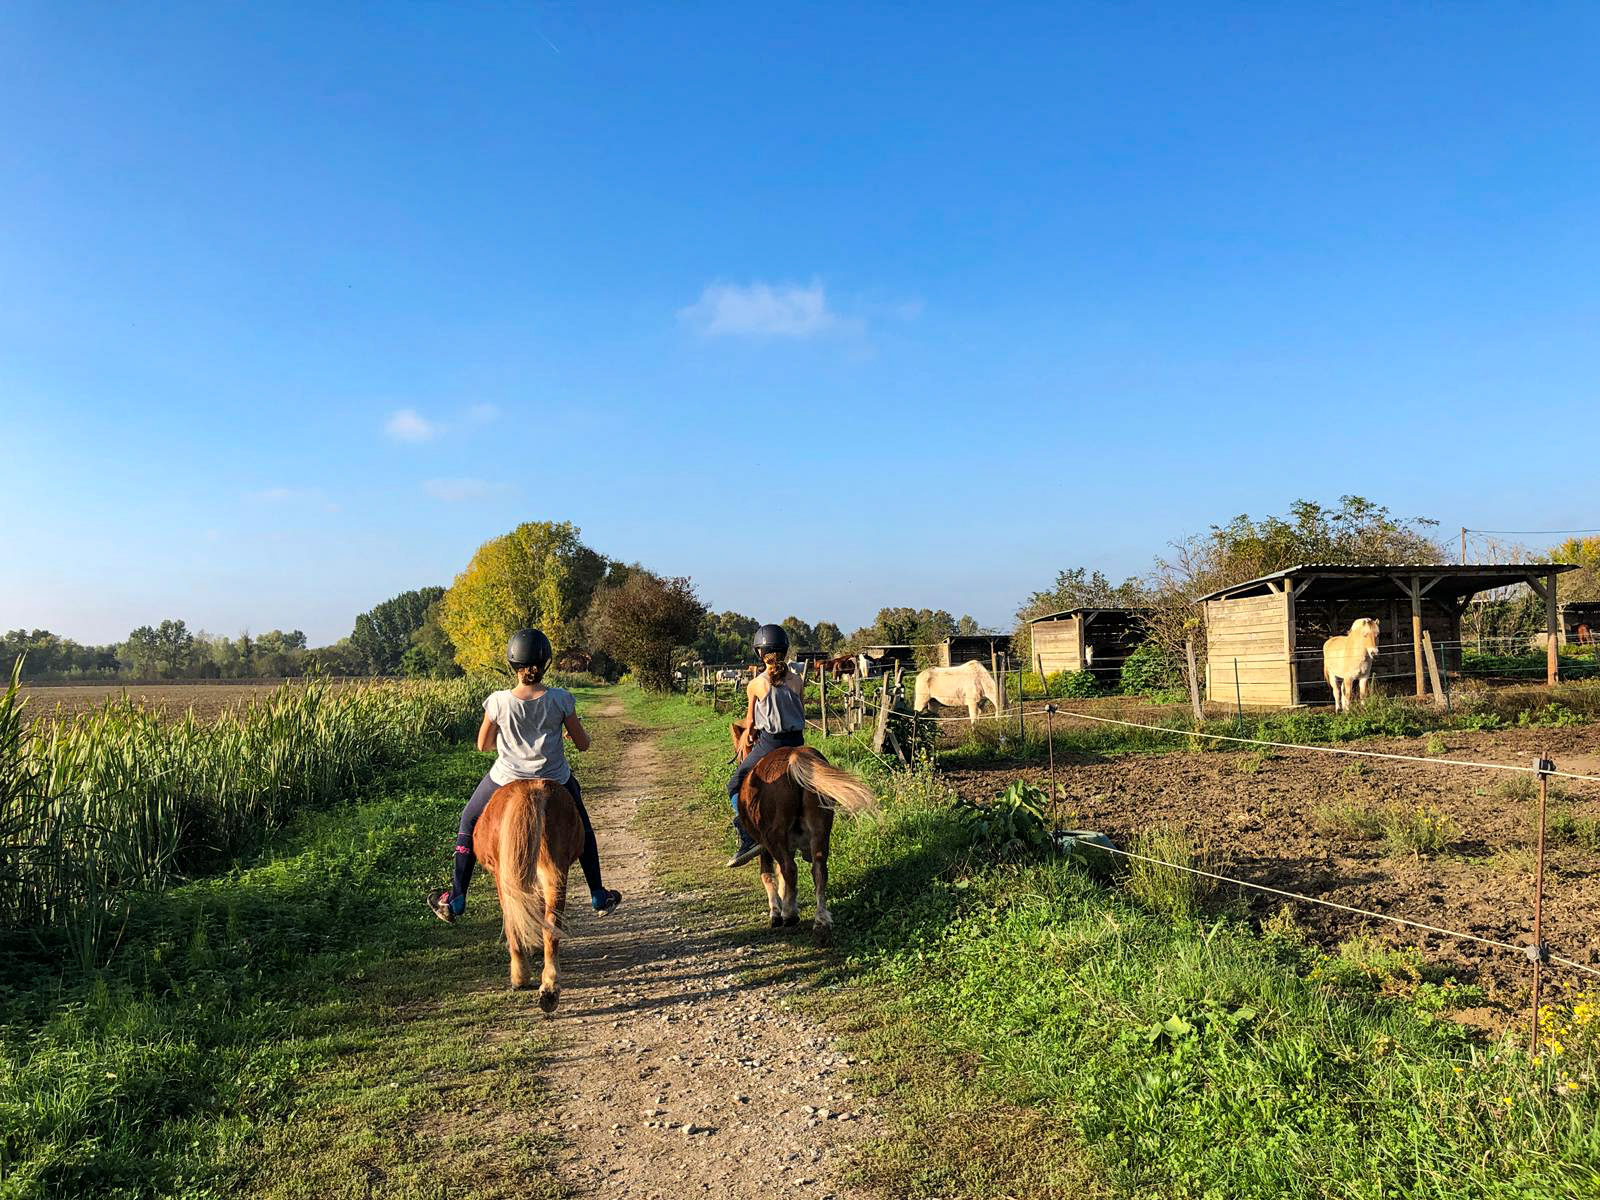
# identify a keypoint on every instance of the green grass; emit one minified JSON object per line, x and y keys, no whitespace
{"x":1036,"y":1032}
{"x":297,"y":1026}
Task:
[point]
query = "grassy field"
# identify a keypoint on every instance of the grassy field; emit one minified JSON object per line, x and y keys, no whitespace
{"x":295,"y":1026}
{"x":1046,"y":1028}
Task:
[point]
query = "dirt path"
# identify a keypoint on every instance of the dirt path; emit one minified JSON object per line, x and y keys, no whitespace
{"x":674,"y":1076}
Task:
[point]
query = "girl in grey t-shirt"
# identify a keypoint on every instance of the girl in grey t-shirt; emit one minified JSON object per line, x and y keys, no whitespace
{"x":525,"y":726}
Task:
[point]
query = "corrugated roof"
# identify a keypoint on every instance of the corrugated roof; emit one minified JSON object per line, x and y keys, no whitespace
{"x":1465,"y":578}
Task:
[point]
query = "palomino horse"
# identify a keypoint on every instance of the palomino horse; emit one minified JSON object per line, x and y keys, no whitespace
{"x":1347,"y":662}
{"x":970,"y":684}
{"x":529,"y":835}
{"x":787,"y":802}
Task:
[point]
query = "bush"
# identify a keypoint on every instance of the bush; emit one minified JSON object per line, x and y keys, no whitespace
{"x":1013,"y":824}
{"x":644,"y":621}
{"x":1150,"y":669}
{"x":1072,"y":685}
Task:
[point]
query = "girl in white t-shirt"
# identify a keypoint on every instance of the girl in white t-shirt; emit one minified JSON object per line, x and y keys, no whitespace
{"x":525,"y":725}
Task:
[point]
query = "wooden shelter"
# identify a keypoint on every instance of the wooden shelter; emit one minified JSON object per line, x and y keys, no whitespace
{"x":883,"y":658}
{"x":1580,"y":612}
{"x":1264,"y":636}
{"x":1086,"y":639}
{"x":967,"y":647}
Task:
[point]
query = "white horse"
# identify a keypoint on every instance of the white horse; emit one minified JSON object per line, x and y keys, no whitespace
{"x":970,"y":684}
{"x":1347,"y":662}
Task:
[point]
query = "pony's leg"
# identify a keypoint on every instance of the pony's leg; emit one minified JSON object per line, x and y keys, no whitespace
{"x":770,"y":882}
{"x":972,"y":710}
{"x":1365,"y":685}
{"x":521,"y":976}
{"x":788,"y":892}
{"x":555,"y":907}
{"x":822,"y":929}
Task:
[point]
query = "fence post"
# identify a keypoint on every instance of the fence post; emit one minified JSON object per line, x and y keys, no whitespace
{"x":822,"y":697}
{"x":1537,"y":951}
{"x":1433,"y":668}
{"x":1194,"y":683}
{"x":1050,"y":740}
{"x":1238,"y":697}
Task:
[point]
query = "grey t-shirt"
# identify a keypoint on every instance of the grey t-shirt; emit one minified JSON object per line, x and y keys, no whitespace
{"x":529,"y":740}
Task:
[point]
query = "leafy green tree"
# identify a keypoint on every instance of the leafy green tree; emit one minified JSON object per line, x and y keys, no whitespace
{"x":383,"y":635}
{"x":1584,"y":583}
{"x":280,"y":654}
{"x":431,"y":653}
{"x":537,"y":575}
{"x":828,"y":637}
{"x":646,"y":622}
{"x":1076,"y":587}
{"x":800,"y":634}
{"x":725,"y":637}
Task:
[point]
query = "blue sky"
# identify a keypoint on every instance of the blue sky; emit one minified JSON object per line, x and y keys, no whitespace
{"x":828,"y":307}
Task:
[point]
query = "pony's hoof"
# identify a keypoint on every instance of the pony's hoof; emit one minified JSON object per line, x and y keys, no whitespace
{"x":822,"y":934}
{"x":790,"y":922}
{"x":777,"y":921}
{"x":548,"y":998}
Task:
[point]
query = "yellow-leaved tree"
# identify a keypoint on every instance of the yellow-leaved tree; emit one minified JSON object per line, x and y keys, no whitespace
{"x":538,"y":575}
{"x":1584,"y":583}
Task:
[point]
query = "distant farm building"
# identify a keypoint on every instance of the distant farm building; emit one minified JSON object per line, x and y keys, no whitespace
{"x":969,"y":647}
{"x":1264,"y":636}
{"x":1086,"y":639}
{"x":1575,"y":613}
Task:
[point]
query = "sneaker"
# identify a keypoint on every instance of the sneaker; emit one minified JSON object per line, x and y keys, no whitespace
{"x":607,"y":901}
{"x":748,"y":847}
{"x":439,"y":905}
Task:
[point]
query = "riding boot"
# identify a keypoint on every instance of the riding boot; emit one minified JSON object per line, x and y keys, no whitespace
{"x":748,"y":846}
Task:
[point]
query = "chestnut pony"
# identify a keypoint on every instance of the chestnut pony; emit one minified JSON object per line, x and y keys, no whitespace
{"x":529,"y":836}
{"x":787,"y":802}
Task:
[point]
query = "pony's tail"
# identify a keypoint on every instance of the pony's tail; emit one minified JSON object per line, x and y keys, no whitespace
{"x":839,"y":789}
{"x":517,"y":866}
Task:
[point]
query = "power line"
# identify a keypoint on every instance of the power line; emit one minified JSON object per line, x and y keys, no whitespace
{"x":1530,"y":532}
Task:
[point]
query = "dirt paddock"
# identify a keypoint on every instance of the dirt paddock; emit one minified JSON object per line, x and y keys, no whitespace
{"x":1273,"y":820}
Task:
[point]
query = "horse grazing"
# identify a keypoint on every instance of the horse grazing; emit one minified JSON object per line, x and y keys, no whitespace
{"x":1347,"y":662}
{"x":1585,"y":637}
{"x":970,"y":684}
{"x":529,"y":836}
{"x":787,"y":802}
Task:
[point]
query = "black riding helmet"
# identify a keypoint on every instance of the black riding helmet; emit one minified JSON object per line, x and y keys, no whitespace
{"x":528,"y":648}
{"x":772,"y":638}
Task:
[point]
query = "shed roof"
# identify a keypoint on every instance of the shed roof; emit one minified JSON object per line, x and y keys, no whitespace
{"x":1373,"y":581}
{"x":1581,"y":605}
{"x":1074,"y":612}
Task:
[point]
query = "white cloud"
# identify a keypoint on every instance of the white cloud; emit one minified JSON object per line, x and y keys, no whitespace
{"x":482,"y":414}
{"x":408,"y":425}
{"x":457,"y":491}
{"x":764,"y":310}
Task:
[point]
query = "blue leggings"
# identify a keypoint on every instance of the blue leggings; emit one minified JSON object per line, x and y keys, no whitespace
{"x":466,"y":860}
{"x":766,"y":743}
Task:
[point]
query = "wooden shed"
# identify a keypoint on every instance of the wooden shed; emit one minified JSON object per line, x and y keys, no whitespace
{"x":967,"y":647}
{"x":1264,"y":636}
{"x":1575,"y":613}
{"x":883,"y":658}
{"x":1086,"y":639}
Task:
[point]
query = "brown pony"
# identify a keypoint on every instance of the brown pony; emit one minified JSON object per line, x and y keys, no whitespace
{"x":839,"y":667}
{"x":787,"y":802}
{"x":529,"y":835}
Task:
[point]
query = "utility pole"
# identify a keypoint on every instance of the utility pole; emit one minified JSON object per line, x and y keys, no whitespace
{"x":1463,"y":545}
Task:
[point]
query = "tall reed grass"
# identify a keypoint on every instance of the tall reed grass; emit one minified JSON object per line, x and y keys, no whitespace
{"x":124,"y":799}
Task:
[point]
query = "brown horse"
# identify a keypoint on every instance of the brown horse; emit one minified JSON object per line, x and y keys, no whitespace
{"x":839,"y":667}
{"x":529,"y":836}
{"x":788,"y":802}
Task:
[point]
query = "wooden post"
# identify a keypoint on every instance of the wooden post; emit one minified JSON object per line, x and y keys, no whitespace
{"x":1194,"y":683}
{"x":882,"y":727}
{"x":994,"y":669}
{"x":1463,"y":545}
{"x":1552,"y":669}
{"x":1433,"y":669}
{"x":1544,"y":765}
{"x":1290,"y":639}
{"x":1416,"y":632}
{"x":1238,"y":694}
{"x":822,"y":697}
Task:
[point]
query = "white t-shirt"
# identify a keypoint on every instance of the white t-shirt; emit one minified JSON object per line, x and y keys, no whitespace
{"x":529,"y":741}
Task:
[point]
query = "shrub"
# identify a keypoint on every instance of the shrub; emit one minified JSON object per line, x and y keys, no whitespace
{"x":1073,"y":685}
{"x":1150,"y":669}
{"x":1420,"y":830}
{"x":1348,"y":819}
